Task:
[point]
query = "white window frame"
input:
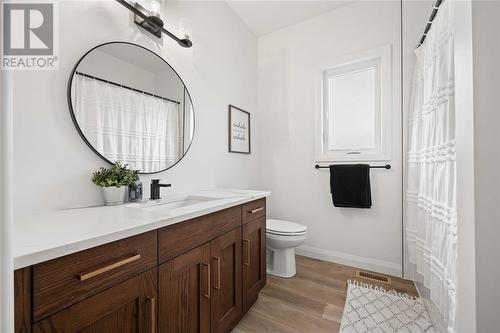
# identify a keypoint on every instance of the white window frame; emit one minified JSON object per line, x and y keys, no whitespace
{"x":382,"y":152}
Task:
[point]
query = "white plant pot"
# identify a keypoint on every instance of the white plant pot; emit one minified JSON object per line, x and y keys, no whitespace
{"x":114,"y":195}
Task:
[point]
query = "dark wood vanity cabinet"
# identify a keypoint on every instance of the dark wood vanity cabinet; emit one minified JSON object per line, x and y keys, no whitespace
{"x":128,"y":307}
{"x":184,"y":289}
{"x":199,"y":275}
{"x":200,"y":291}
{"x":226,"y":302}
{"x":254,"y":260}
{"x":64,"y":281}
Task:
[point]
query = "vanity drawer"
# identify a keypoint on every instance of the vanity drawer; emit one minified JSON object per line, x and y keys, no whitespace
{"x":182,"y":237}
{"x":64,"y":281}
{"x":253,"y":210}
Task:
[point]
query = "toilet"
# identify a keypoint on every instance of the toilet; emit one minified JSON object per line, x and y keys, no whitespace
{"x":282,"y":239}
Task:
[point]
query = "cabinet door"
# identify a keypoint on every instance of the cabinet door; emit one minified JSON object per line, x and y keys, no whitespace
{"x":184,"y":292}
{"x":226,"y":281}
{"x":129,"y":307}
{"x":254,"y":260}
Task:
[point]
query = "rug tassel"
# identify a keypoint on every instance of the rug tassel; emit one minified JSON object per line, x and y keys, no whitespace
{"x":380,"y":289}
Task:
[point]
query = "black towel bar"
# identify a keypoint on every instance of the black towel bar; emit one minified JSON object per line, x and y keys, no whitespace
{"x":387,"y":166}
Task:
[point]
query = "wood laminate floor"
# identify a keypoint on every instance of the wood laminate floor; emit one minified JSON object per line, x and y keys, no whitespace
{"x":310,"y":302}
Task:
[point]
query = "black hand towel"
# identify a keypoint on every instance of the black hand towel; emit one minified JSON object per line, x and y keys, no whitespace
{"x":350,"y":185}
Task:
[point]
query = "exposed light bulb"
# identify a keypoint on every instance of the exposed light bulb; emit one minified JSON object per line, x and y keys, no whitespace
{"x":183,"y":31}
{"x":154,"y":8}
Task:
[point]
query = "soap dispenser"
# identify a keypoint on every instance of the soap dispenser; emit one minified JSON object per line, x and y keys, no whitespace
{"x":135,"y":191}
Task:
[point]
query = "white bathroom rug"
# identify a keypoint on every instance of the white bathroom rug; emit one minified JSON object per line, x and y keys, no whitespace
{"x":373,"y":309}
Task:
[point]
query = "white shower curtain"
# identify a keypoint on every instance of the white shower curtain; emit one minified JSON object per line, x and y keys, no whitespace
{"x":126,"y":126}
{"x":431,"y":228}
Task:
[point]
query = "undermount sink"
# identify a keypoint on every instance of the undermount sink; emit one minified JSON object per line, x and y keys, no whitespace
{"x":164,"y":205}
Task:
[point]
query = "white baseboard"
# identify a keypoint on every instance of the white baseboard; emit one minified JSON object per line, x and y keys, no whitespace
{"x":375,"y":265}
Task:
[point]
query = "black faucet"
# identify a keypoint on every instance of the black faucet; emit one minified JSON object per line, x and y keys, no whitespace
{"x":155,"y":188}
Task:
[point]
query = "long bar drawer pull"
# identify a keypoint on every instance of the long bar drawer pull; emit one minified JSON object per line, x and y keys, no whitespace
{"x":217,"y":286}
{"x":253,"y":211}
{"x":86,"y":276}
{"x":207,"y":294}
{"x":152,"y":312}
{"x":246,"y":262}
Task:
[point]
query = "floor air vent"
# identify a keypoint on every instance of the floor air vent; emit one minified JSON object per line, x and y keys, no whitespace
{"x":374,"y":277}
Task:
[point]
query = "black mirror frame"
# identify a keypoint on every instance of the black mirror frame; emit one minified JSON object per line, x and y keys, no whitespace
{"x":80,"y":132}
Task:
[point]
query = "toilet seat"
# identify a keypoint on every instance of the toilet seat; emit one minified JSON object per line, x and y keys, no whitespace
{"x":285,"y":228}
{"x":277,"y":233}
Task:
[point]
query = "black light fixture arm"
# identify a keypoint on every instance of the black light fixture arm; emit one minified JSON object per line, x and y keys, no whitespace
{"x":182,"y":42}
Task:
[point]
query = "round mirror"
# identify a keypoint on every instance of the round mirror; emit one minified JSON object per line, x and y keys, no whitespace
{"x":130,"y":106}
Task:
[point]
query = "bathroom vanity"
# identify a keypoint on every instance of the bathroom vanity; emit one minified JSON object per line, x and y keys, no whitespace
{"x":161,"y":267}
{"x":187,"y":264}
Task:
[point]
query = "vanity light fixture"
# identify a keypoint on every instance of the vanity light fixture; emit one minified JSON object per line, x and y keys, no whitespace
{"x":150,"y":20}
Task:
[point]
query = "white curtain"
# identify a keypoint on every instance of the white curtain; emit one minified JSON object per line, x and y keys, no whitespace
{"x":125,"y":126}
{"x":431,"y":229}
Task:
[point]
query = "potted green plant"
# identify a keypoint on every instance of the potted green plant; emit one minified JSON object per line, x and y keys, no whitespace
{"x":114,"y":182}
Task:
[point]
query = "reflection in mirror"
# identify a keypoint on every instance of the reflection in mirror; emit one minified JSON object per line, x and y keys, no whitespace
{"x":131,"y":107}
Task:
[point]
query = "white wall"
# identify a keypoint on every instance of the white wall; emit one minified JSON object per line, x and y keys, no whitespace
{"x":53,"y":165}
{"x":486,"y":57}
{"x":465,"y":321}
{"x":290,"y":63}
{"x":477,"y":50}
{"x":6,"y":262}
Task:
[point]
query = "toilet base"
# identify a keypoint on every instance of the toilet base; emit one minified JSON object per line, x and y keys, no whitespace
{"x":281,"y":262}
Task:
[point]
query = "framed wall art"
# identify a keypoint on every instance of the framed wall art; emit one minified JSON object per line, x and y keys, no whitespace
{"x":239,"y":130}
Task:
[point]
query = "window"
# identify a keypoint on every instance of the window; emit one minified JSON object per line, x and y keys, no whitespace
{"x":355,"y":117}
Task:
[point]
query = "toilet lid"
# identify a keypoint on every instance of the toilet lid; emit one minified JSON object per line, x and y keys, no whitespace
{"x":284,"y":227}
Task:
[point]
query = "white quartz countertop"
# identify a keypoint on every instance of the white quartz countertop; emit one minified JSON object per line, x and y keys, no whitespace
{"x":42,"y":236}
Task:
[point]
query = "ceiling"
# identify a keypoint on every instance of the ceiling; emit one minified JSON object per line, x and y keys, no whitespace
{"x":263,"y":17}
